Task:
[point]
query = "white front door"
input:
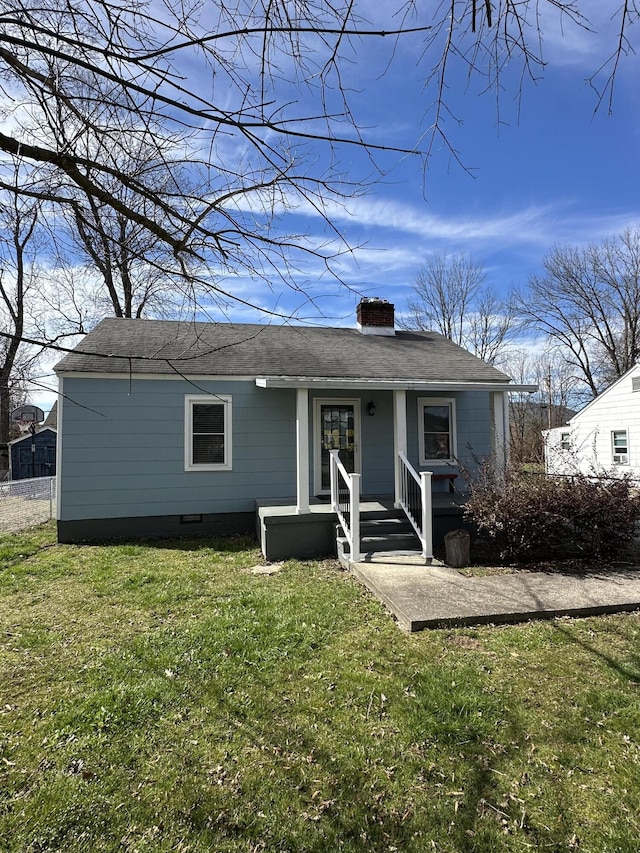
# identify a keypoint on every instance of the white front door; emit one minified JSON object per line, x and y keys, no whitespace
{"x":336,"y":427}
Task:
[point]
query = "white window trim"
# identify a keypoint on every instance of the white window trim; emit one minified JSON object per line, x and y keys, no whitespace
{"x":623,"y":455}
{"x":453,"y":443}
{"x":210,"y":399}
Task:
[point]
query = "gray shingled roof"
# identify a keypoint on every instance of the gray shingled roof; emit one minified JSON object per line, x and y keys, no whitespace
{"x":229,"y":349}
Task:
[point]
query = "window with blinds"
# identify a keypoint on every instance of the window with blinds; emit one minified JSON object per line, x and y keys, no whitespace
{"x":437,"y":436}
{"x":207,"y":432}
{"x":620,"y":446}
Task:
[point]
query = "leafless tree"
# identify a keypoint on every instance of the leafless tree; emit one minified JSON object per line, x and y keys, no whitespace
{"x":551,"y":405}
{"x":491,"y":326}
{"x":87,"y":82}
{"x":128,"y":271}
{"x":451,"y":296}
{"x":587,"y":303}
{"x":251,"y":98}
{"x":18,"y":224}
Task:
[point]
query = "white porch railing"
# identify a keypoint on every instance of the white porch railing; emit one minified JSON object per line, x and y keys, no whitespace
{"x":415,"y":500}
{"x":345,"y":502}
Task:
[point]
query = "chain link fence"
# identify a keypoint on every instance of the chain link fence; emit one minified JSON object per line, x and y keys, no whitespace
{"x":24,"y":503}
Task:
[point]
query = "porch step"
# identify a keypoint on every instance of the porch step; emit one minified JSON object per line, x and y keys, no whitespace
{"x":390,"y":542}
{"x":386,"y":526}
{"x":389,"y":532}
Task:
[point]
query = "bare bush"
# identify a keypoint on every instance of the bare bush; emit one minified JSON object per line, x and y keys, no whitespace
{"x":528,"y":517}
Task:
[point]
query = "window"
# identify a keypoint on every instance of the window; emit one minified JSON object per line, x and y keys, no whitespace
{"x":620,"y":446}
{"x":207,"y":433}
{"x":436,"y":417}
{"x":565,"y":441}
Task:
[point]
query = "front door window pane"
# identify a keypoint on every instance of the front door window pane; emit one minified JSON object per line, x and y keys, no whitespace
{"x":337,"y":426}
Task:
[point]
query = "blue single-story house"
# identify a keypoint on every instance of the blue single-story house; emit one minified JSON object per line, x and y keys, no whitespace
{"x":33,"y":455}
{"x":172,"y":428}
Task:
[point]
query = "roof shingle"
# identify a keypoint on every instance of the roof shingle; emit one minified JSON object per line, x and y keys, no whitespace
{"x":119,"y":345}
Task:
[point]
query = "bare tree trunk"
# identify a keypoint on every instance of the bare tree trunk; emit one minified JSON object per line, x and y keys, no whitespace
{"x":18,"y":226}
{"x":5,"y":424}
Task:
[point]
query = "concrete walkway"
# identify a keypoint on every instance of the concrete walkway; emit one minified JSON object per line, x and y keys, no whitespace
{"x":435,"y":596}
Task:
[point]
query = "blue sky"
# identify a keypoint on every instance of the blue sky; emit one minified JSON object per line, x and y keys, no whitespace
{"x":553,"y":172}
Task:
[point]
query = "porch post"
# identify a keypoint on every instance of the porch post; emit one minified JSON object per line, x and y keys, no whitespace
{"x":500,"y":437}
{"x":427,"y":515}
{"x":506,"y":412}
{"x":399,"y":438}
{"x":302,"y":450}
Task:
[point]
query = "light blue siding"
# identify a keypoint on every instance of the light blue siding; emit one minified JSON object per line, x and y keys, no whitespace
{"x":377,"y":445}
{"x":473,"y":425}
{"x":123,"y":449}
{"x":123,"y":446}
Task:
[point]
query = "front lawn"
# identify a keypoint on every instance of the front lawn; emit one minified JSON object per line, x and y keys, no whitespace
{"x":163,"y":697}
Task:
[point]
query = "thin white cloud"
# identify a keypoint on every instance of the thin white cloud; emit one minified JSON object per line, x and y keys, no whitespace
{"x":534,"y":225}
{"x":588,"y":44}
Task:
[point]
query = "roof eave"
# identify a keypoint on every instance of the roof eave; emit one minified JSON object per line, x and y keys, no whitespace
{"x":327,"y":382}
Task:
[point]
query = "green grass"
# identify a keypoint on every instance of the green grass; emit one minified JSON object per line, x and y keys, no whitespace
{"x":161,"y":697}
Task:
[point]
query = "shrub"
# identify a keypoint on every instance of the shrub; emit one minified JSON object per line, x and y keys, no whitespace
{"x":533,"y":516}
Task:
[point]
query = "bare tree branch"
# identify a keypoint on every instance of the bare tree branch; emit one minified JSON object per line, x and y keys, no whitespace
{"x":450,"y":296}
{"x":587,"y":301}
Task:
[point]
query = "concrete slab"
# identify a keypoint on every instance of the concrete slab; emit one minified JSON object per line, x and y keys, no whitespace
{"x":436,"y":596}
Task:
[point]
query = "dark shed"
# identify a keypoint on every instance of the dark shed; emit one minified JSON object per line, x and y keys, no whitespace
{"x":41,"y":462}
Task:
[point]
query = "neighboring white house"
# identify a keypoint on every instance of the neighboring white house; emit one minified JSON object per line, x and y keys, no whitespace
{"x":604,"y":437}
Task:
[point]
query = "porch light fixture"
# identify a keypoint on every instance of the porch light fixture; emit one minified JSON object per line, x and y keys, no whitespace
{"x":371,"y":408}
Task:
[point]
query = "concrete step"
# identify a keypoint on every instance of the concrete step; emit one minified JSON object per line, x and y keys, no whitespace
{"x":381,"y":531}
{"x":382,"y":526}
{"x":385,"y":526}
{"x":390,"y":543}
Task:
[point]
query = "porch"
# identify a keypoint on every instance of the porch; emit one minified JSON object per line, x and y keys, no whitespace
{"x":284,"y":532}
{"x":398,"y":466}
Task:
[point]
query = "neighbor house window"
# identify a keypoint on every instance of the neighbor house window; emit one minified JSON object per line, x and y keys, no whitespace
{"x":436,"y":418}
{"x":565,"y":441}
{"x":620,"y":446}
{"x":207,"y":432}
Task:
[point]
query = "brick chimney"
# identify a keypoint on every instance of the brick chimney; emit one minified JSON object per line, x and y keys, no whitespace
{"x":375,"y":316}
